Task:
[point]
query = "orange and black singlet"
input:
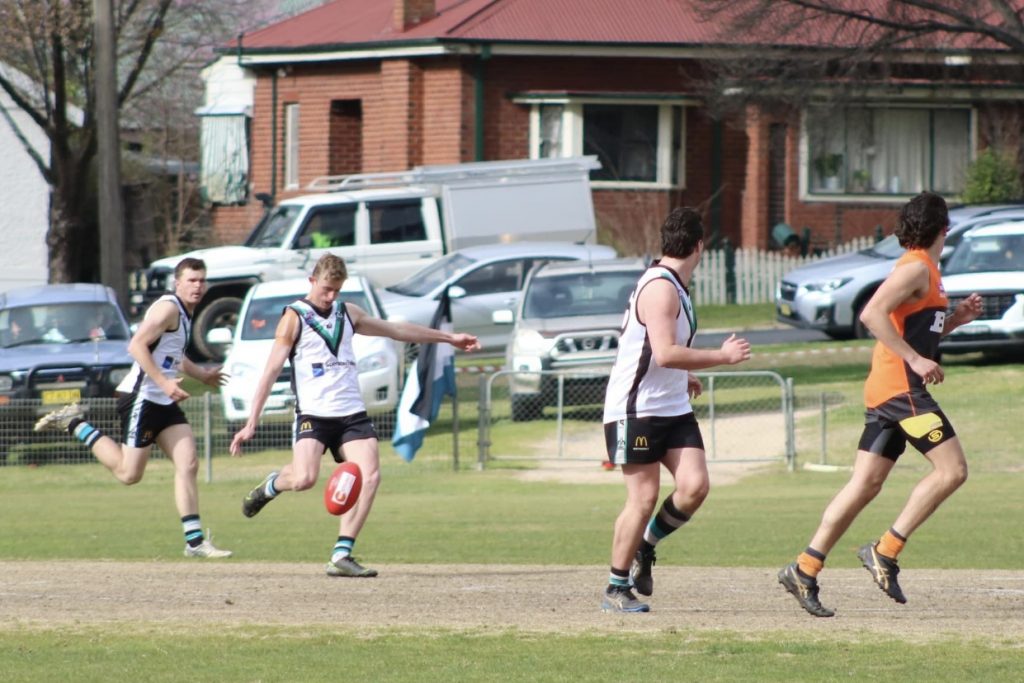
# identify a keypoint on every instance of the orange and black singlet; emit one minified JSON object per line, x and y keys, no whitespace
{"x":920,"y":324}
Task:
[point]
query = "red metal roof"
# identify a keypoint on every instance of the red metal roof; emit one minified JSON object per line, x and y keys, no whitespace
{"x":345,"y":23}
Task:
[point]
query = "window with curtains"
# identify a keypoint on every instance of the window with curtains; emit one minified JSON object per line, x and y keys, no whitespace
{"x":291,"y":146}
{"x":224,"y":162}
{"x":639,"y":144}
{"x":887,"y":150}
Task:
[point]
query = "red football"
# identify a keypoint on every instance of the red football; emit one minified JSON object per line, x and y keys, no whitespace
{"x":343,"y":488}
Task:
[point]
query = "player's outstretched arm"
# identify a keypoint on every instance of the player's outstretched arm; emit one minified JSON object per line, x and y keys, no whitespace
{"x":284,"y":338}
{"x":407,"y":332}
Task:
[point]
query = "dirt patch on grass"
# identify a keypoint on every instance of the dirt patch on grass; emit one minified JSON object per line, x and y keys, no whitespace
{"x":177,"y":596}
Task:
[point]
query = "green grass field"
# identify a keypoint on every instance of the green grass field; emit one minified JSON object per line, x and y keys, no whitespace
{"x":428,"y":514}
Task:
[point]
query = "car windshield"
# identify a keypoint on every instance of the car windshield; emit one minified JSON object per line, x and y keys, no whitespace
{"x":886,"y":248}
{"x":63,"y":323}
{"x":987,"y":253}
{"x":262,"y":316}
{"x":272,"y":228}
{"x":427,"y":280}
{"x":580,"y":294}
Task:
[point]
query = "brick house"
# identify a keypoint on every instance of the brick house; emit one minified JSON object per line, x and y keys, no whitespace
{"x":379,"y":85}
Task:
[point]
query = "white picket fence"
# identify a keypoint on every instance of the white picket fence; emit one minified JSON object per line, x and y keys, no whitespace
{"x":757,"y":272}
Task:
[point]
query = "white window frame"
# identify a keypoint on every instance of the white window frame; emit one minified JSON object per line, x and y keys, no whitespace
{"x":810,"y":197}
{"x":571,"y":141}
{"x":291,"y":146}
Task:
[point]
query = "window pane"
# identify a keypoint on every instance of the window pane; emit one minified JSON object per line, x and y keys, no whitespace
{"x":329,"y":226}
{"x":504,"y":276}
{"x":952,"y":149}
{"x":396,"y":222}
{"x":291,"y":145}
{"x":551,"y":130}
{"x":624,"y":138}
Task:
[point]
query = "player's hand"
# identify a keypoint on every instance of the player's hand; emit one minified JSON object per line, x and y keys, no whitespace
{"x":241,"y":436}
{"x":465,"y":342}
{"x":968,"y":309}
{"x":694,"y":386}
{"x":216,"y":377}
{"x":736,"y":350}
{"x":928,"y":370}
{"x":172,"y":387}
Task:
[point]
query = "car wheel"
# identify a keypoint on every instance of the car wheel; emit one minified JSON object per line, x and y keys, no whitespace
{"x":526,"y":408}
{"x":220,"y":313}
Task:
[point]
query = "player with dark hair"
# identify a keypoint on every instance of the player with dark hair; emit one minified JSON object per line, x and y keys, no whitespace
{"x":648,"y":420}
{"x":908,"y":317}
{"x":315,"y":334}
{"x":148,"y":404}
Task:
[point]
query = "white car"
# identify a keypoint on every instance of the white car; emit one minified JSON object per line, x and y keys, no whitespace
{"x":989,"y":261}
{"x":378,"y":359}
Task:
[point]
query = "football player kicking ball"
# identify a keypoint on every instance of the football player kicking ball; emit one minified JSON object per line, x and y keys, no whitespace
{"x":148,"y":404}
{"x":648,"y":420}
{"x":316,"y":333}
{"x":907,"y":315}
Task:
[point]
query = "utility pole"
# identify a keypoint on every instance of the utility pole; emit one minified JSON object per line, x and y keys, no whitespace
{"x":111,"y":228}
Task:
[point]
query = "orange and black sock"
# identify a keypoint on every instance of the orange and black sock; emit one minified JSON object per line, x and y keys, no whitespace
{"x":810,"y":562}
{"x":891,"y":544}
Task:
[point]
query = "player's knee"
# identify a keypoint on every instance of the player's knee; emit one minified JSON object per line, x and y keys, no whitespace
{"x":695,"y":490}
{"x":190,"y":467}
{"x":955,"y":476}
{"x":130,"y":478}
{"x":302,"y":481}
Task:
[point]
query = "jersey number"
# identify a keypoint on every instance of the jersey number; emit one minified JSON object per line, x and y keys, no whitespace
{"x":940,"y":322}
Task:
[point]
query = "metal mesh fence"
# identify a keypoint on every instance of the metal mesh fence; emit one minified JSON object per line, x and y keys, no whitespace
{"x":744,"y":416}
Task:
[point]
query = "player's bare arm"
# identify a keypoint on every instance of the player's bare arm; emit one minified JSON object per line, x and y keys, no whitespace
{"x":284,"y":338}
{"x":212,"y":377}
{"x":161,"y":317}
{"x":364,"y":323}
{"x":657,"y":308}
{"x":906,"y":284}
{"x":966,"y":311}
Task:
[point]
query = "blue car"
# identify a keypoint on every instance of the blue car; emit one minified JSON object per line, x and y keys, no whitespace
{"x":58,"y":344}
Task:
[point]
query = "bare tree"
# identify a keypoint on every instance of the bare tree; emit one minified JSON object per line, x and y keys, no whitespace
{"x":47,"y":69}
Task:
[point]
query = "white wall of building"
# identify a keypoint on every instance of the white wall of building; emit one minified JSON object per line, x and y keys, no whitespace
{"x":24,"y":203}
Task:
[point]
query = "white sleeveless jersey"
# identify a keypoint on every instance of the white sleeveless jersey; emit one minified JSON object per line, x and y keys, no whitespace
{"x":168,"y":354}
{"x":638,"y":386}
{"x":324,"y":375}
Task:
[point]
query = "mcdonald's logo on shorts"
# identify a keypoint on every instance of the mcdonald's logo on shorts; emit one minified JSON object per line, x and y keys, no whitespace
{"x":640,"y":443}
{"x":306,"y":426}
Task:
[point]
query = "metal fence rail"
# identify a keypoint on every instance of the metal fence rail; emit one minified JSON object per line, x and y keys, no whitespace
{"x":745,"y":416}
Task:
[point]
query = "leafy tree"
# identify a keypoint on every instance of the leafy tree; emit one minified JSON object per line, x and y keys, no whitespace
{"x":992,"y":177}
{"x":47,"y":68}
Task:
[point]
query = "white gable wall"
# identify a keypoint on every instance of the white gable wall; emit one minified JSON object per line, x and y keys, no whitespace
{"x":25,"y":202}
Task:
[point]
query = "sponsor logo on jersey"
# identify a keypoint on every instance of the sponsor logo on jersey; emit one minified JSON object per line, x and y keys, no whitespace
{"x":168,"y":362}
{"x":318,"y":369}
{"x":935,"y":435}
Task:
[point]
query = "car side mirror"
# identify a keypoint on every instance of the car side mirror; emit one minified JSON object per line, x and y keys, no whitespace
{"x":219,"y":335}
{"x":503,"y":316}
{"x":456,"y":292}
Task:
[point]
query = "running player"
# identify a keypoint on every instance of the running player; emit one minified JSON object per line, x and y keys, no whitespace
{"x":908,"y":316}
{"x":148,"y":404}
{"x":315,"y":333}
{"x":648,"y":420}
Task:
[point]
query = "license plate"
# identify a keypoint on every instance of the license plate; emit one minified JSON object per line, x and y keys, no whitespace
{"x":786,"y":310}
{"x":50,"y":396}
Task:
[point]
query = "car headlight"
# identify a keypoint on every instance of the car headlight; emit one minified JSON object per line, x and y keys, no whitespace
{"x":828,"y":285}
{"x":531,"y":342}
{"x":117,"y":375}
{"x":375,"y":361}
{"x":6,"y":383}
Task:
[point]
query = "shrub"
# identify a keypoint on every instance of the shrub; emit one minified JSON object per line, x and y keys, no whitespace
{"x":992,"y":177}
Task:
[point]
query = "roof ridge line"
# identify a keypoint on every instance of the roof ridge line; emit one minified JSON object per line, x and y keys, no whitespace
{"x":472,"y":16}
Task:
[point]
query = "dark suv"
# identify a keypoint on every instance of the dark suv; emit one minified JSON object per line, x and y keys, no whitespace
{"x":58,"y":344}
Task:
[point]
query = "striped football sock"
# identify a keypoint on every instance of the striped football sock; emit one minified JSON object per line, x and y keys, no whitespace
{"x":86,"y":433}
{"x":193,"y":529}
{"x":343,"y":548}
{"x":618,"y":578}
{"x":662,"y":524}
